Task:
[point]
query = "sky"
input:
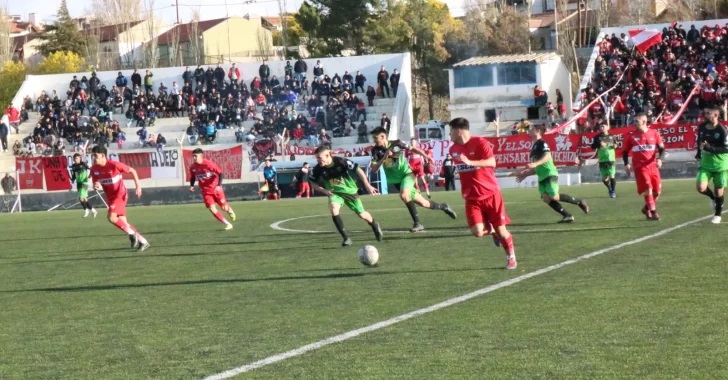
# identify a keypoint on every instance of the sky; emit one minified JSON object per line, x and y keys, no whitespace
{"x":165,"y":9}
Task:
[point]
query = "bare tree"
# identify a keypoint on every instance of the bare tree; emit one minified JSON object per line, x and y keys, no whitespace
{"x":195,"y":45}
{"x":6,"y":43}
{"x":284,"y":26}
{"x":150,"y":53}
{"x":117,"y":11}
{"x":264,"y":43}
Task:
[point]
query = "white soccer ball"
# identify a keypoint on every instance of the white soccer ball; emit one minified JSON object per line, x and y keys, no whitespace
{"x":368,"y":255}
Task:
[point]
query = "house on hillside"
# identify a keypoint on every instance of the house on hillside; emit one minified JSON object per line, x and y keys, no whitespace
{"x":18,"y":27}
{"x":25,"y":48}
{"x":233,"y":39}
{"x":123,"y":45}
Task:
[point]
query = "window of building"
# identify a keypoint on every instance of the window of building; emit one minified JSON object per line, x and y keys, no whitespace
{"x":516,"y":73}
{"x":473,"y":76}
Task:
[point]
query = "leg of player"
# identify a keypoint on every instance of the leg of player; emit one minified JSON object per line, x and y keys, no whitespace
{"x":222,"y":201}
{"x":719,"y":201}
{"x":335,"y":207}
{"x":426,"y":185}
{"x":367,"y":217}
{"x":218,"y":215}
{"x":702,"y":187}
{"x":480,"y":214}
{"x":137,"y":240}
{"x":553,"y":202}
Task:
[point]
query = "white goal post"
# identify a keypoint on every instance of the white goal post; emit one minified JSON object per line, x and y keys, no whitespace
{"x":10,"y":187}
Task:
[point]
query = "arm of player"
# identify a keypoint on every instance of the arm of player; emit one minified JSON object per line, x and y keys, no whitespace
{"x":137,"y":184}
{"x":316,"y":187}
{"x":487,"y":163}
{"x":192,"y":182}
{"x":365,"y":181}
{"x":698,"y":146}
{"x":523,"y":174}
{"x":375,"y":165}
{"x":421,"y":153}
{"x":546,"y":158}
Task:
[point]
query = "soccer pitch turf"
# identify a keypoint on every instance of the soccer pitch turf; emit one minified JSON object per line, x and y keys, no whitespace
{"x":77,"y":303}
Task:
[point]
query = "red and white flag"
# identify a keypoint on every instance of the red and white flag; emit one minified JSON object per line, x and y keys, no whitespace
{"x":645,"y":38}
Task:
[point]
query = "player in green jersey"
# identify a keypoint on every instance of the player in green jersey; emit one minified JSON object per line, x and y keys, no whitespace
{"x":604,"y":144}
{"x":548,"y":177}
{"x":79,"y":175}
{"x":331,"y":177}
{"x":391,"y":156}
{"x":712,"y":146}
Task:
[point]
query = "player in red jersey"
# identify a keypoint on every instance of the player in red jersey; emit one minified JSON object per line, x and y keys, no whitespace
{"x":106,"y":175}
{"x":209,"y":177}
{"x":417,"y":164}
{"x":647,"y":150}
{"x":484,"y":204}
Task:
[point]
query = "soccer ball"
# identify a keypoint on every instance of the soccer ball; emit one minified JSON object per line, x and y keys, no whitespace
{"x":368,"y":255}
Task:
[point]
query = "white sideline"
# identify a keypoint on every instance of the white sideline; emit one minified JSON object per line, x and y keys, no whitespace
{"x":452,"y":301}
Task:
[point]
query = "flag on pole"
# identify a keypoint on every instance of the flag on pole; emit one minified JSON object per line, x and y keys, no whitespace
{"x":645,"y":38}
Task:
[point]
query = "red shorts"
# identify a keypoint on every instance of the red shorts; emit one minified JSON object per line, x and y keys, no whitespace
{"x":428,"y":169}
{"x":648,"y":178}
{"x":489,"y":210}
{"x":118,"y":205}
{"x":217,"y":196}
{"x":417,"y":170}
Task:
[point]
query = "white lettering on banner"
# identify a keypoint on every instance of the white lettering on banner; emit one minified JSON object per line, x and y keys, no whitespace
{"x":33,"y":168}
{"x":512,"y":158}
{"x":165,"y":158}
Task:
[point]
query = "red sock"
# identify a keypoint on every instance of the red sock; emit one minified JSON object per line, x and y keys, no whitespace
{"x":507,"y":245}
{"x":126,"y":227}
{"x":218,"y":216}
{"x":650,"y":202}
{"x":426,"y":186}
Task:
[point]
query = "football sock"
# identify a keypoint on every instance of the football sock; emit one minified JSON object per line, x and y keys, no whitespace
{"x":708,"y":193}
{"x":507,"y":245}
{"x":427,"y":187}
{"x":650,"y":202}
{"x":569,"y":199}
{"x":84,"y":205}
{"x":141,"y":238}
{"x":412,"y":208}
{"x":436,"y":206}
{"x":127,"y":228}
{"x":607,"y":183}
{"x":613,"y":184}
{"x":340,"y":226}
{"x":719,"y":205}
{"x":218,"y":216}
{"x":558,"y":208}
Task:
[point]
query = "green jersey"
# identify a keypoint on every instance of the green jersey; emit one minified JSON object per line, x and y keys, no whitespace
{"x":396,"y":167}
{"x":715,"y":158}
{"x":604,"y":144}
{"x":335,"y":177}
{"x":79,"y":173}
{"x":547,"y":169}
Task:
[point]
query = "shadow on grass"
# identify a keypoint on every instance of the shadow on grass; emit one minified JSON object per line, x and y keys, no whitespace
{"x":332,"y":276}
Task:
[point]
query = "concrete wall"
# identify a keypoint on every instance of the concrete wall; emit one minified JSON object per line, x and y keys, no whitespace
{"x":236,"y":38}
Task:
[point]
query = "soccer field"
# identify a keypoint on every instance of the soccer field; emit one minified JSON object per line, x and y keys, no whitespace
{"x":77,"y":303}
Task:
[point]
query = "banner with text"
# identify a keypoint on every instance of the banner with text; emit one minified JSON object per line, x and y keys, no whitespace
{"x":30,"y":173}
{"x":163,"y":164}
{"x":230,"y":161}
{"x":55,"y":171}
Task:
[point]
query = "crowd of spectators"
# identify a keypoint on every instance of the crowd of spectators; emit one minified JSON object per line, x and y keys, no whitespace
{"x":292,"y":106}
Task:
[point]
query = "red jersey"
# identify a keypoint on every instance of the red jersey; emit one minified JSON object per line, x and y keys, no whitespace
{"x":643,"y":146}
{"x":475,"y":183}
{"x":414,"y":159}
{"x":207,"y":175}
{"x":109,"y":176}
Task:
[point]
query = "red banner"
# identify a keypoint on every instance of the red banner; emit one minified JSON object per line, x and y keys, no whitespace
{"x":230,"y":161}
{"x":140,"y":162}
{"x":55,"y":171}
{"x":30,"y":173}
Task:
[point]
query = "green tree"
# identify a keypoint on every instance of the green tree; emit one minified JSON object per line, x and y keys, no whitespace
{"x":331,"y":26}
{"x":61,"y":62}
{"x":12,"y":76}
{"x":62,"y":35}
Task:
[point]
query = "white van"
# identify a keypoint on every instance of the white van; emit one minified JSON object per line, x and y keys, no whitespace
{"x":433,"y":130}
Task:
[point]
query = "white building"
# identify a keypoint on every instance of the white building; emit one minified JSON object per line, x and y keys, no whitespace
{"x":500,"y":88}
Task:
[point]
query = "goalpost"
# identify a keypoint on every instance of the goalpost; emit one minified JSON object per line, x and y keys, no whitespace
{"x":10,"y":186}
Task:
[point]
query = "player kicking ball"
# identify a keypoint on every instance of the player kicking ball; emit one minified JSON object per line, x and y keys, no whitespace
{"x":391,"y":156}
{"x":542,"y":164}
{"x":79,"y":175}
{"x":106,"y":174}
{"x":712,"y":146}
{"x":209,"y":177}
{"x":475,"y":162}
{"x":331,"y":177}
{"x":647,"y":150}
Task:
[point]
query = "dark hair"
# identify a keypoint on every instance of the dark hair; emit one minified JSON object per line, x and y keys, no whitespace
{"x":321,"y":149}
{"x":460,"y":123}
{"x":540,"y":128}
{"x":198,"y":151}
{"x":640,"y":114}
{"x":305,"y":163}
{"x":378,"y":131}
{"x":99,"y":149}
{"x":76,"y":155}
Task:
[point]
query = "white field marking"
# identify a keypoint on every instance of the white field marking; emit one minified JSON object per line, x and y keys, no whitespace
{"x":450,"y":302}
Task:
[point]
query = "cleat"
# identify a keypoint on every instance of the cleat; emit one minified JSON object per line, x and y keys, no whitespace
{"x":511,"y":262}
{"x":141,"y":247}
{"x":612,"y":194}
{"x":567,"y":219}
{"x":232,"y":215}
{"x":654,"y":216}
{"x":449,"y":211}
{"x":646,"y":212}
{"x":417,"y":228}
{"x":429,"y":196}
{"x":715,"y":220}
{"x":584,"y":207}
{"x":228,"y":227}
{"x":93,"y":211}
{"x":496,"y":241}
{"x":85,"y":213}
{"x":377,"y":231}
{"x":133,"y":240}
{"x":346,"y":242}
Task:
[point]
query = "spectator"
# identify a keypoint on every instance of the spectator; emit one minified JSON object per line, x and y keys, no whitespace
{"x":234,"y":74}
{"x":264,"y":72}
{"x":394,"y":82}
{"x":288,"y":70}
{"x":300,"y":68}
{"x":385,"y":123}
{"x":161,"y":142}
{"x":4,"y":131}
{"x":148,"y":82}
{"x":8,"y":184}
{"x":448,"y":172}
{"x":302,"y":179}
{"x":120,"y":139}
{"x":17,"y":148}
{"x":363,"y":133}
{"x":382,"y":81}
{"x":359,"y":81}
{"x":318,"y":70}
{"x":192,"y":134}
{"x":270,"y":177}
{"x":136,"y":79}
{"x":371,"y":93}
{"x":142,"y":133}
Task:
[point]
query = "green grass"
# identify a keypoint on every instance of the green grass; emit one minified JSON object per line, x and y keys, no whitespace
{"x":76,"y":303}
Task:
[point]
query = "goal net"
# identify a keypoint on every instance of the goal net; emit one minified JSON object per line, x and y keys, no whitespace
{"x":10,"y":187}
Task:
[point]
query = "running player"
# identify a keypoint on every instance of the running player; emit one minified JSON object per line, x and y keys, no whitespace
{"x":712,"y":146}
{"x":209,"y":177}
{"x":647,"y":150}
{"x":604,"y":145}
{"x":106,"y":174}
{"x":418,"y":168}
{"x":331,"y":177}
{"x":79,"y":175}
{"x":484,"y":205}
{"x":390,"y":156}
{"x":543,"y":166}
